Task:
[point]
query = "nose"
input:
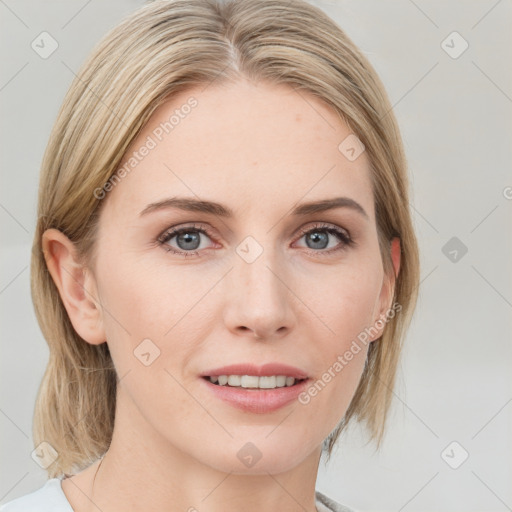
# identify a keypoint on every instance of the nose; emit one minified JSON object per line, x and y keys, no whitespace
{"x":258,"y":298}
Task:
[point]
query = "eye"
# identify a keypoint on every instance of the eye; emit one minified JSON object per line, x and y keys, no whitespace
{"x":188,"y":240}
{"x":319,"y":238}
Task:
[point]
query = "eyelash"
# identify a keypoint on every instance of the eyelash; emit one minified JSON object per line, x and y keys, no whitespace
{"x":343,"y":235}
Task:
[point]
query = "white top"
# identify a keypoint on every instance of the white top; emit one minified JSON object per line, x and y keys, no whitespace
{"x":51,"y":498}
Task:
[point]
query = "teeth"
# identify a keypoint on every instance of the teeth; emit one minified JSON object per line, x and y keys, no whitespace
{"x":252,"y":381}
{"x":234,"y":380}
{"x":248,"y":381}
{"x":267,"y":382}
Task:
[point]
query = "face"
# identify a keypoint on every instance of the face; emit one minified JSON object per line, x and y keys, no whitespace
{"x":256,"y":280}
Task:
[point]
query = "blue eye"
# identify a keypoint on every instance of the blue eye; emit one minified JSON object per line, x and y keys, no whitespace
{"x":188,"y":239}
{"x":318,"y":238}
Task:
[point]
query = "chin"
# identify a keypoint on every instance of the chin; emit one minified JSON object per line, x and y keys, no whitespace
{"x":259,"y":451}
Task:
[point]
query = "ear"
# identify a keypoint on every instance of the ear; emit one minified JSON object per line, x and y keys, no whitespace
{"x":387,"y":291}
{"x":76,"y":285}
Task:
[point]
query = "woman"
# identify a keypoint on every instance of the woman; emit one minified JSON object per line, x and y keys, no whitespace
{"x":224,"y":265}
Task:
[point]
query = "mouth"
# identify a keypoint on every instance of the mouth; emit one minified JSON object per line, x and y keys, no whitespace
{"x":267,"y":397}
{"x":254,"y":382}
{"x":256,"y":389}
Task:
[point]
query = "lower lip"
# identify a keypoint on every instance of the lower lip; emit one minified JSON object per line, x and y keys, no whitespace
{"x":259,"y":401}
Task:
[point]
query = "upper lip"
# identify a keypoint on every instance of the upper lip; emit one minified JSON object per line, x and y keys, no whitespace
{"x":265,"y":370}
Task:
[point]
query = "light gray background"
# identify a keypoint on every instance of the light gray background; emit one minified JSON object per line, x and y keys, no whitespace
{"x":455,"y":115}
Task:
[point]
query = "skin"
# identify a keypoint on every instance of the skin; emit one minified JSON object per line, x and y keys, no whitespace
{"x":257,"y":149}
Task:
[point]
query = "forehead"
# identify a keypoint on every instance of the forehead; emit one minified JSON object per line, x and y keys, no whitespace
{"x":246,"y":144}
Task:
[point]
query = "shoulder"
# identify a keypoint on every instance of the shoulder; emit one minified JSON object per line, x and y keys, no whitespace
{"x":325,"y":504}
{"x":48,"y":498}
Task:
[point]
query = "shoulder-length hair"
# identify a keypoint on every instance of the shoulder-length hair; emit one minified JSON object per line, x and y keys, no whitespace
{"x":162,"y":48}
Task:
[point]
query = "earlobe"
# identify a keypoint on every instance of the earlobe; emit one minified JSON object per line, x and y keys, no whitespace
{"x":76,"y":285}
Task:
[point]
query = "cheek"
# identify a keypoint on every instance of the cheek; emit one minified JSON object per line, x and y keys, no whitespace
{"x":146,"y":298}
{"x":346,"y":301}
{"x":145,"y":309}
{"x":151,"y":312}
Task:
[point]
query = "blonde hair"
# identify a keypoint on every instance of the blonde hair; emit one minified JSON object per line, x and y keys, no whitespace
{"x":162,"y":48}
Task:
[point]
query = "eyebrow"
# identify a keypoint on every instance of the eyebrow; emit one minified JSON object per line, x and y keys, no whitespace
{"x":211,"y":207}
